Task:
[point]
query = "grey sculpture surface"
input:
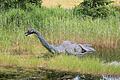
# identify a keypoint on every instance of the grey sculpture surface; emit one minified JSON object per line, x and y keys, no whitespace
{"x":66,"y":47}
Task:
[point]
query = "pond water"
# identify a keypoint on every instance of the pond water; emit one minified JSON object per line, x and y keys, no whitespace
{"x":49,"y":75}
{"x":43,"y":74}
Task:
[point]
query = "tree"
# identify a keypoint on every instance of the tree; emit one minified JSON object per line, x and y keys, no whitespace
{"x":6,"y":4}
{"x":93,"y":8}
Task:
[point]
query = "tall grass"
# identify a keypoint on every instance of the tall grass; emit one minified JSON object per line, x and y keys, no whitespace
{"x":57,"y":25}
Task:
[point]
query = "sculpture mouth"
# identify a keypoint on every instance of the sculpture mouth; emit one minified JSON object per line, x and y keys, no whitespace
{"x":26,"y":34}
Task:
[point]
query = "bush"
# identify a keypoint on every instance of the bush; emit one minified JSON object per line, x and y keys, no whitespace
{"x":6,"y":4}
{"x":93,"y":8}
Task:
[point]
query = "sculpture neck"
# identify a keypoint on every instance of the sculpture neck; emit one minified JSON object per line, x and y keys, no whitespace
{"x":44,"y":42}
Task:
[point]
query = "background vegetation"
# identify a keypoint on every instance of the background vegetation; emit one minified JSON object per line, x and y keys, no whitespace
{"x":7,"y":4}
{"x":93,"y":8}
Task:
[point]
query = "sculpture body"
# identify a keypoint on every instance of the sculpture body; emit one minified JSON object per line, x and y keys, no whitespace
{"x":66,"y":47}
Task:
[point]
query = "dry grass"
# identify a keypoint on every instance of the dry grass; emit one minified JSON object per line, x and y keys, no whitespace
{"x":62,"y":3}
{"x":67,"y":3}
{"x":117,"y":1}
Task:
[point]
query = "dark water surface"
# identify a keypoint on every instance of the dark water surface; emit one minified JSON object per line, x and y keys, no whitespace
{"x":43,"y":74}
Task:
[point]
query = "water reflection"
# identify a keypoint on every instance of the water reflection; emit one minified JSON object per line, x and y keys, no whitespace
{"x":110,"y":77}
{"x":77,"y":78}
{"x":52,"y":75}
{"x":104,"y":77}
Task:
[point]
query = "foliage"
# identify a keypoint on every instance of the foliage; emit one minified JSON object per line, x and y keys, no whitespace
{"x":93,"y":8}
{"x":33,"y":15}
{"x":6,"y":4}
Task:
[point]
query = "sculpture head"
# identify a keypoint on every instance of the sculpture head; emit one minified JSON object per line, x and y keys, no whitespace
{"x":30,"y":31}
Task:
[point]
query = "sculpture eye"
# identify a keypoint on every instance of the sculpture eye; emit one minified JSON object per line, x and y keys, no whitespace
{"x":32,"y":30}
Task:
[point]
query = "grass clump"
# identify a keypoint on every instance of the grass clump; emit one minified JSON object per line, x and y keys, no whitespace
{"x":85,"y":65}
{"x":15,"y":61}
{"x":82,"y":65}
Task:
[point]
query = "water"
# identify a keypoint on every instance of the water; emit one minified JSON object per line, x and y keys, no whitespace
{"x":38,"y":75}
{"x":44,"y":74}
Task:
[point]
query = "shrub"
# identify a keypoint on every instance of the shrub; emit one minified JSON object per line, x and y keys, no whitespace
{"x":6,"y":4}
{"x":93,"y":8}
